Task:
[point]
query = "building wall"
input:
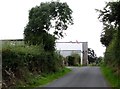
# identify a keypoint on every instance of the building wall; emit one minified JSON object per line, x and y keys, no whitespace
{"x":85,"y":53}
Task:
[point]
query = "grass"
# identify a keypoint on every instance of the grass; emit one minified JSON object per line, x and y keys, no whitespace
{"x":112,"y":78}
{"x":44,"y":79}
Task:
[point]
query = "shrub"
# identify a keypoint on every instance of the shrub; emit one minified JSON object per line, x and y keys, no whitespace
{"x":33,"y":59}
{"x":74,"y":59}
{"x":112,"y":55}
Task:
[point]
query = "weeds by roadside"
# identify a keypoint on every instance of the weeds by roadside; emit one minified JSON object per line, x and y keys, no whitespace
{"x":112,"y":78}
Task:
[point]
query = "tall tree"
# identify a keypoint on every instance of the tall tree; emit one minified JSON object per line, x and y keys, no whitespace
{"x":91,"y":55}
{"x":49,"y":16}
{"x":110,"y":15}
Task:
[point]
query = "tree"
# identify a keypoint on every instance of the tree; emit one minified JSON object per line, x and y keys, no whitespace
{"x":91,"y":56}
{"x":45,"y":18}
{"x":110,"y":15}
{"x":73,"y":59}
{"x":99,"y":60}
{"x":107,"y":35}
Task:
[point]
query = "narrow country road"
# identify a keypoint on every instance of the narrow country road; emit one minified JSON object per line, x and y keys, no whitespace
{"x":81,"y":77}
{"x":0,"y":71}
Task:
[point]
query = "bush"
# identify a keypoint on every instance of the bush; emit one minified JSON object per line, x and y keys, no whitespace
{"x":74,"y":59}
{"x":32,"y":59}
{"x":112,"y":55}
{"x":112,"y":52}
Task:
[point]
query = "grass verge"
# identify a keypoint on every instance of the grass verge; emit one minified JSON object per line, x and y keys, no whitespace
{"x":44,"y":79}
{"x":112,"y":78}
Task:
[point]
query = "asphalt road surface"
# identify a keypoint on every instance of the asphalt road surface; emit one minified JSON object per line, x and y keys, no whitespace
{"x":0,"y":76}
{"x":81,"y":77}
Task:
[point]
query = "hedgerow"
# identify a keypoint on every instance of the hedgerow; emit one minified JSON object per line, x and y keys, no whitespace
{"x":112,"y":54}
{"x":32,"y":59}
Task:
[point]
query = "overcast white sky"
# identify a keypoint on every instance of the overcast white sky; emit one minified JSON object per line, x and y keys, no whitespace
{"x":86,"y":28}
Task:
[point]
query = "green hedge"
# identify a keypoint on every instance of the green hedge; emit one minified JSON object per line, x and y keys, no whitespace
{"x":32,"y":59}
{"x":112,"y":54}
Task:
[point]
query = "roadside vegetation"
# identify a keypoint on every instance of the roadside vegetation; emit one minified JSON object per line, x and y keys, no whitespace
{"x":111,"y":77}
{"x":36,"y":62}
{"x":110,"y":38}
{"x":41,"y":80}
{"x":22,"y":62}
{"x":74,"y":59}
